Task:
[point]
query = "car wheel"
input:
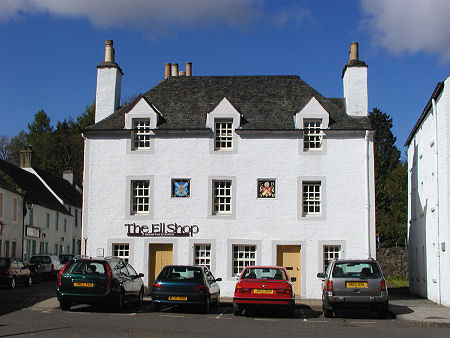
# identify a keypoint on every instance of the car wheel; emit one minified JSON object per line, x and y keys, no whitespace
{"x":291,"y":311}
{"x":119,"y":301}
{"x":12,"y":283}
{"x":29,"y":281}
{"x":206,"y":305}
{"x":383,"y":310}
{"x":65,"y":305}
{"x":237,"y":311}
{"x":217,"y":303}
{"x":140,"y":297}
{"x":156,"y":307}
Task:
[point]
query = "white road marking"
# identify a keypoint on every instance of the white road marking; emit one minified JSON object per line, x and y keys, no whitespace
{"x":174,"y":316}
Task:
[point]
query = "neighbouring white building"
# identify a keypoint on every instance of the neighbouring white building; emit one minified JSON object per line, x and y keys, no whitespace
{"x":39,"y":212}
{"x":230,"y":171}
{"x":429,"y":198}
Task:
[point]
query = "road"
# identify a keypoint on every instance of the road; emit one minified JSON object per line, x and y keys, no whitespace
{"x":89,"y":321}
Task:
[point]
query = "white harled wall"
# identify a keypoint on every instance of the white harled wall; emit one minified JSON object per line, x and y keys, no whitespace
{"x":342,"y":167}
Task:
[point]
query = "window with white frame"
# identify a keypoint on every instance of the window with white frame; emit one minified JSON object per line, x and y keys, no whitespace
{"x":223,"y":134}
{"x":140,"y":197}
{"x":222,"y":194}
{"x":243,"y":255}
{"x":141,"y":133}
{"x":202,"y":255}
{"x":312,"y":135}
{"x":122,"y":251}
{"x":330,"y":252}
{"x":311,"y":198}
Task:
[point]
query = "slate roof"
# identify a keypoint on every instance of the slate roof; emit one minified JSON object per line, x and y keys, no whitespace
{"x":35,"y":191}
{"x":66,"y":191}
{"x":265,"y":103}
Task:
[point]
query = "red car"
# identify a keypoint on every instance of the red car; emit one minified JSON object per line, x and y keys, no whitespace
{"x":264,"y":285}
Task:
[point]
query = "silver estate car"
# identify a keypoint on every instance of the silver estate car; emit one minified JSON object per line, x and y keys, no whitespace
{"x":354,"y":284}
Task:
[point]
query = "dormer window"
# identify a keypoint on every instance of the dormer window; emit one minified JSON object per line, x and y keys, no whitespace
{"x":141,"y":134}
{"x":312,"y":135}
{"x":223,"y":134}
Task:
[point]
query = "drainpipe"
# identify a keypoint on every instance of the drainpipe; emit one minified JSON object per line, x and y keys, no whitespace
{"x":436,"y":153}
{"x":369,"y":246}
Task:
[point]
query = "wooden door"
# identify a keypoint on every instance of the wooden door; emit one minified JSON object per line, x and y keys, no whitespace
{"x":159,"y":256}
{"x":289,"y":256}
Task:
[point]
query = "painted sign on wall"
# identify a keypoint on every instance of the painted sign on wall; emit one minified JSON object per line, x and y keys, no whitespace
{"x":161,"y":230}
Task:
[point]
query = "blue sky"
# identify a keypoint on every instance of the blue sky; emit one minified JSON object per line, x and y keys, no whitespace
{"x":49,"y":49}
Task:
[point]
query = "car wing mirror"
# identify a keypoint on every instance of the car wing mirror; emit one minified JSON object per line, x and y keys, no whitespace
{"x":219,"y":279}
{"x":293,"y":279}
{"x":141,"y":274}
{"x":321,"y":275}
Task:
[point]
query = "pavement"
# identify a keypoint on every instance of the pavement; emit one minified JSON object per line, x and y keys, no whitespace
{"x":403,"y":306}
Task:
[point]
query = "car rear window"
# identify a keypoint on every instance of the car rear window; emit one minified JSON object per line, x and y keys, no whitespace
{"x":87,"y":267}
{"x":356,"y":270}
{"x":264,"y":273}
{"x":184,"y":273}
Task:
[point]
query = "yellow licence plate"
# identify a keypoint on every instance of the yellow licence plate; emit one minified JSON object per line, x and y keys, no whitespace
{"x":177,"y":298}
{"x":356,"y":284}
{"x":263,"y":291}
{"x":84,"y":285}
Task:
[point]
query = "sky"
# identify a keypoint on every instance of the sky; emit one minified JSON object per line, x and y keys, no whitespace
{"x":49,"y":49}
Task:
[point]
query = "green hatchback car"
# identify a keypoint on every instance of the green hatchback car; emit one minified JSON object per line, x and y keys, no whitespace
{"x":108,"y":281}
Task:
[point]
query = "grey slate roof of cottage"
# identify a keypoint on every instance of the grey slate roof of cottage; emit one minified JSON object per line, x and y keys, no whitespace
{"x":265,"y":103}
{"x":66,"y":191}
{"x":35,"y":191}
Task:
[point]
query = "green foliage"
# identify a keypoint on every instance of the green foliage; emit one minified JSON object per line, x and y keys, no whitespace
{"x":55,"y":149}
{"x":391,"y":183}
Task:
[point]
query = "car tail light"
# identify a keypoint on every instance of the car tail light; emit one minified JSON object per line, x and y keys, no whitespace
{"x":7,"y":271}
{"x":329,"y":285}
{"x":53,"y":267}
{"x":383,"y":285}
{"x":60,"y":273}
{"x":201,"y":288}
{"x":240,"y":289}
{"x":157,"y":285}
{"x":108,"y":281}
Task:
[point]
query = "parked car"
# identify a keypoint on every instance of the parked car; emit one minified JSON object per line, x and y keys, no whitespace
{"x":186,"y":285}
{"x":13,"y":271}
{"x":108,"y":281}
{"x":264,"y":285}
{"x":50,"y":264}
{"x":64,"y":258}
{"x":354,"y":284}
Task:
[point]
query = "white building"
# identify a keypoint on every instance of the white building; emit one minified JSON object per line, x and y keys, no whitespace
{"x":40,"y":212}
{"x":230,"y":171}
{"x":429,"y":198}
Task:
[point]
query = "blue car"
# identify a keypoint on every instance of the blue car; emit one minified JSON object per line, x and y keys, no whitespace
{"x":186,"y":285}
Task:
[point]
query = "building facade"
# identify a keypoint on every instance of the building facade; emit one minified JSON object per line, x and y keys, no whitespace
{"x":41,"y":211}
{"x":230,"y":171}
{"x":428,"y":199}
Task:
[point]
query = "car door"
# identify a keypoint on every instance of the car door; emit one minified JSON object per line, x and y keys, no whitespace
{"x":124,"y":277}
{"x":22,"y":271}
{"x":135,"y":279}
{"x":213,"y":286}
{"x":15,"y":270}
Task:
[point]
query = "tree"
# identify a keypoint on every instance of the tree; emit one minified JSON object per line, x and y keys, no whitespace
{"x":391,"y":186}
{"x":4,"y":140}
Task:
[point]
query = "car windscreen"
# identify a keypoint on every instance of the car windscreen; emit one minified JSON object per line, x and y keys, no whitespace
{"x":264,"y":273}
{"x":87,"y":267}
{"x":356,"y":270}
{"x":181,"y":273}
{"x":4,"y":262}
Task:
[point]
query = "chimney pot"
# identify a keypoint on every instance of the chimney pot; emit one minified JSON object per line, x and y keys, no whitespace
{"x":109,"y":51}
{"x":188,"y":68}
{"x":174,"y":69}
{"x":167,"y":67}
{"x":354,"y":55}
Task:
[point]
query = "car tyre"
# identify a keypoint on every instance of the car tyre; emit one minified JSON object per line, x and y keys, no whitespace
{"x":206,"y":305}
{"x":237,"y":311}
{"x":291,"y":311}
{"x":29,"y":281}
{"x":156,"y":307}
{"x":383,"y":310}
{"x":120,"y":301}
{"x":12,"y":283}
{"x":217,"y":302}
{"x":140,"y":297}
{"x":65,"y":305}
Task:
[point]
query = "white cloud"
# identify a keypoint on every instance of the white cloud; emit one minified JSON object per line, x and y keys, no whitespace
{"x":154,"y":15}
{"x":410,"y":25}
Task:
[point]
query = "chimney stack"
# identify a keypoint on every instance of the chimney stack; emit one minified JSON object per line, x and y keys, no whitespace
{"x":174,"y":69}
{"x":354,"y":76}
{"x":167,"y":67}
{"x":109,"y":80}
{"x":188,"y":68}
{"x":68,"y":176}
{"x":26,"y":159}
